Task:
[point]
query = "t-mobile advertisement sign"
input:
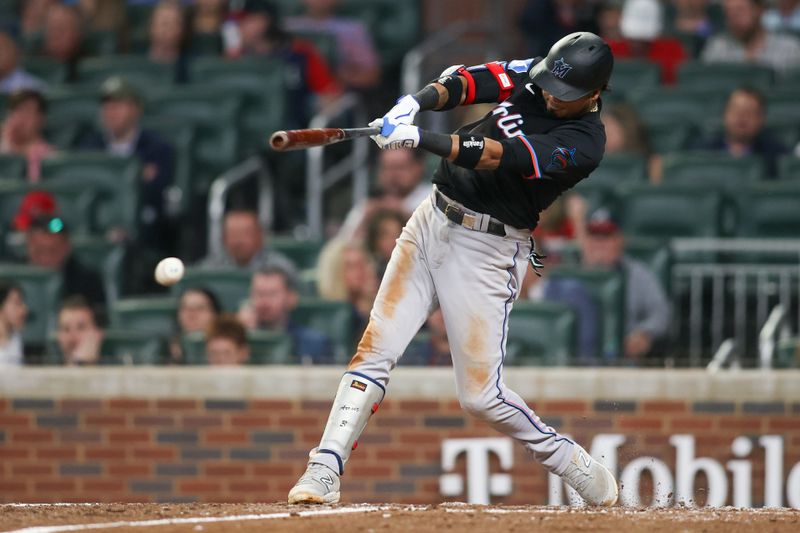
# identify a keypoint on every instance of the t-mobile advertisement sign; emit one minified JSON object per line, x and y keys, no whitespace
{"x":669,"y":487}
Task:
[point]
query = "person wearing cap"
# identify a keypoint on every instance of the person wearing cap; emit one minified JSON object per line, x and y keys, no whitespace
{"x":48,"y":245}
{"x":642,"y":28}
{"x":21,"y":133}
{"x":121,"y":134}
{"x":468,"y":244}
{"x":647,"y":309}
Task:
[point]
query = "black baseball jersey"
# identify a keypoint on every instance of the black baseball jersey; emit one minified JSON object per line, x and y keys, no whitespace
{"x":543,"y":155}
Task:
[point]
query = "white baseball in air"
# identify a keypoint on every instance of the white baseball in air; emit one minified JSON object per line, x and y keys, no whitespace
{"x":169,"y":271}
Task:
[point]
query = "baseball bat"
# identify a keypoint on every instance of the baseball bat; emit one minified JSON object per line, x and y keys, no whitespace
{"x":282,"y":141}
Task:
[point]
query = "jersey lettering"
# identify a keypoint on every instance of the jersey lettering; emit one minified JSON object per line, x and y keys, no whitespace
{"x":509,"y":124}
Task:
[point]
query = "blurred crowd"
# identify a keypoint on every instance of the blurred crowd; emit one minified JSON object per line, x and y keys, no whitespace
{"x":324,"y":54}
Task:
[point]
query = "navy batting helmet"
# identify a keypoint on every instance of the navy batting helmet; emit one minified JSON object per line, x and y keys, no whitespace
{"x":576,"y":65}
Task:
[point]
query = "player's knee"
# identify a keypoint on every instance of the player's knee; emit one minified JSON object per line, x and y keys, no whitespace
{"x":478,"y":406}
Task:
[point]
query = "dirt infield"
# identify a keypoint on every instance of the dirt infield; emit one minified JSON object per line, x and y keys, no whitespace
{"x":454,"y":517}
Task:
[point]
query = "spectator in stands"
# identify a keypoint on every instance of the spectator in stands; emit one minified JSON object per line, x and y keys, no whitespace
{"x":691,"y":18}
{"x":121,"y":134}
{"x":626,"y":134}
{"x":12,"y":76}
{"x":79,"y":334}
{"x":346,"y":272}
{"x":243,"y":245}
{"x":21,"y":132}
{"x":609,"y":14}
{"x":543,"y":22}
{"x":745,"y":39}
{"x":383,"y":230}
{"x":168,"y":38}
{"x":13,"y":313}
{"x":647,"y":309}
{"x":197,"y":309}
{"x":436,"y":350}
{"x":207,"y":16}
{"x":273,"y":296}
{"x":784,"y":16}
{"x":63,"y":37}
{"x":308,"y":75}
{"x":226,"y":342}
{"x":103,"y":15}
{"x":48,"y":245}
{"x":744,"y":133}
{"x":642,"y":27}
{"x":561,"y":223}
{"x":357,"y":61}
{"x":33,"y":15}
{"x":401,"y":187}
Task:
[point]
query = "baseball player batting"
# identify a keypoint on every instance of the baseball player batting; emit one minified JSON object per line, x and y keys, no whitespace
{"x":467,"y":248}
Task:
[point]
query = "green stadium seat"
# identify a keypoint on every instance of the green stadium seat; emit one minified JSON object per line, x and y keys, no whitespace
{"x":789,"y":168}
{"x":101,"y":43}
{"x":334,"y":319}
{"x":724,"y":77}
{"x":769,"y":211}
{"x":12,"y":167}
{"x":231,"y":286}
{"x":782,"y":105}
{"x":147,"y":76}
{"x":41,"y":287}
{"x":607,"y":289}
{"x":655,"y":253}
{"x":632,"y":75}
{"x":269,"y":348}
{"x":206,"y":44}
{"x":699,"y":107}
{"x":787,"y":353}
{"x":107,"y":257}
{"x":261,"y":85}
{"x":617,"y":169}
{"x":304,"y":254}
{"x":48,"y":70}
{"x":541,"y":334}
{"x":114,"y":179}
{"x":266,"y":348}
{"x":666,"y":137}
{"x":130,"y":347}
{"x":214,"y":112}
{"x":72,"y":107}
{"x":672,"y":211}
{"x":711,"y":169}
{"x":154,"y":315}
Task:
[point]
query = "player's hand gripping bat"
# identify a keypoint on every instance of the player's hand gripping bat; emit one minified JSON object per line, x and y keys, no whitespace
{"x":283,"y":141}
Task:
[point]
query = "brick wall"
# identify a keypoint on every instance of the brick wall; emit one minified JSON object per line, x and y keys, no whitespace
{"x":137,"y":450}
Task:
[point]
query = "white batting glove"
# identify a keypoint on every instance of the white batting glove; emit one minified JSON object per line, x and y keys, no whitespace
{"x":402,"y":136}
{"x":403,"y":112}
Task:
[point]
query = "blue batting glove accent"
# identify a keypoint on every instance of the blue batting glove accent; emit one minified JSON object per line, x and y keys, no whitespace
{"x":387,"y":127}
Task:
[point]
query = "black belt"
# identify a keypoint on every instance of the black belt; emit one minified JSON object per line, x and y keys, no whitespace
{"x":455,"y":214}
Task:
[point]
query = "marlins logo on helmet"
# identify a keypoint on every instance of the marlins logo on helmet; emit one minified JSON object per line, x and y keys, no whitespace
{"x":561,"y":68}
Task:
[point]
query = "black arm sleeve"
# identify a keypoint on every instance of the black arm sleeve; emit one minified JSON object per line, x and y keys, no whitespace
{"x":427,"y":97}
{"x":440,"y":144}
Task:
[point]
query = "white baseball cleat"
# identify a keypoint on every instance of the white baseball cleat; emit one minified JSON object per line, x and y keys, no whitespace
{"x":319,"y":484}
{"x":593,"y":481}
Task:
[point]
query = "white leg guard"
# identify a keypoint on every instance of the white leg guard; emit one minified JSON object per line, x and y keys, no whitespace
{"x":357,"y":398}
